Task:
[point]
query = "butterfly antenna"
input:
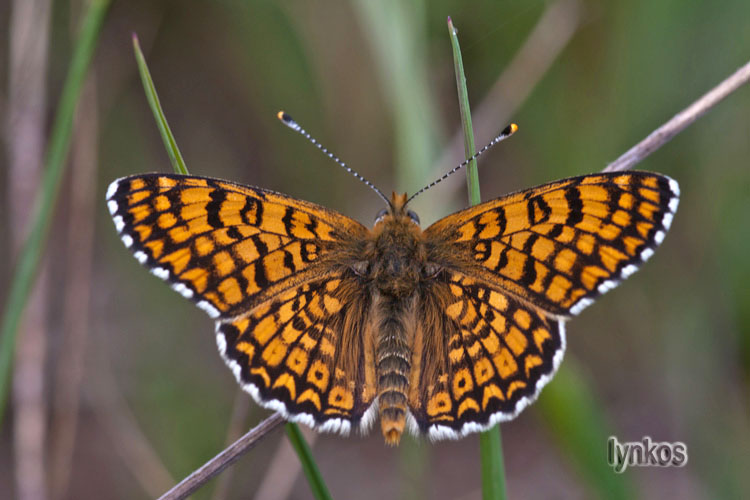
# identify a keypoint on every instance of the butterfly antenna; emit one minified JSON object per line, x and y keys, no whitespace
{"x":507,"y":132}
{"x":289,"y":122}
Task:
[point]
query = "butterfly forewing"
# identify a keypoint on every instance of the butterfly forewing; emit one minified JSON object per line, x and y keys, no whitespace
{"x":562,"y":244}
{"x":225,"y":246}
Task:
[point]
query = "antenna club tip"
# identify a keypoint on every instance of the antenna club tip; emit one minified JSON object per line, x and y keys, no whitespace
{"x":287,"y":120}
{"x":510,"y":129}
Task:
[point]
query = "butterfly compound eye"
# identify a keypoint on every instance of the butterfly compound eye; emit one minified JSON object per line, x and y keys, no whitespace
{"x":380,"y":215}
{"x":430,"y":270}
{"x":413,"y":216}
{"x":361,"y":268}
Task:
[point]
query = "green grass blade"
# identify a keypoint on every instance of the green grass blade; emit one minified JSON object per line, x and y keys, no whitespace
{"x":490,"y":443}
{"x":472,"y":174}
{"x":54,"y":166}
{"x":314,"y":479}
{"x":178,"y":164}
{"x":578,"y":425}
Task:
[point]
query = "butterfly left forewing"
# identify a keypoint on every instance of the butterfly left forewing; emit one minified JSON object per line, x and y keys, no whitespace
{"x":225,"y":246}
{"x":562,"y":244}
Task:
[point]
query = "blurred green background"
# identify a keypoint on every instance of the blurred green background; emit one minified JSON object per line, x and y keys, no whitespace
{"x":666,"y":355}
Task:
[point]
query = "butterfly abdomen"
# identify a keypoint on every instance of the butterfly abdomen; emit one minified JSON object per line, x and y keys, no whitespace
{"x":393,"y":365}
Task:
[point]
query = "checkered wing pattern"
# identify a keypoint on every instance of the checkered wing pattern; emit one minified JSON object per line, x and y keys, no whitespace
{"x":499,"y":353}
{"x":561,"y":245}
{"x":301,"y":354}
{"x":225,"y":246}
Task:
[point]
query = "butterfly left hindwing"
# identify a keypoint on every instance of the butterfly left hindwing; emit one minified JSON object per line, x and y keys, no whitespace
{"x":301,"y":352}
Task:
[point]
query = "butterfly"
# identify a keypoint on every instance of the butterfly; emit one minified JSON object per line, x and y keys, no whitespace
{"x":443,"y":331}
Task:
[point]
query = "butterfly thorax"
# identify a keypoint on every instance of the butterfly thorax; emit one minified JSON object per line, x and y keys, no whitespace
{"x":397,"y":257}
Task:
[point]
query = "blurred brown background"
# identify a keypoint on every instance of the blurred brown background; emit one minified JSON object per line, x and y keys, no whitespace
{"x":131,"y":394}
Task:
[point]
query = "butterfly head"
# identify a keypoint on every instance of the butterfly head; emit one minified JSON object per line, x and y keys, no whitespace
{"x":397,"y":211}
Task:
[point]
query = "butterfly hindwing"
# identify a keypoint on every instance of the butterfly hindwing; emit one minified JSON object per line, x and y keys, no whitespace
{"x":225,"y":246}
{"x":498,"y":354}
{"x":562,"y":244}
{"x":301,"y":354}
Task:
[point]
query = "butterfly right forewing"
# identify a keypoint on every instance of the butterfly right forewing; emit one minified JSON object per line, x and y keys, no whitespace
{"x":561,"y":245}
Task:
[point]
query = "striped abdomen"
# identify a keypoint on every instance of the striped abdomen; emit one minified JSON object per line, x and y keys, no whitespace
{"x":393,"y":363}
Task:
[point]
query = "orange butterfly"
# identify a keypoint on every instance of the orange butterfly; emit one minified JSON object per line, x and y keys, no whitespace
{"x":443,"y":332}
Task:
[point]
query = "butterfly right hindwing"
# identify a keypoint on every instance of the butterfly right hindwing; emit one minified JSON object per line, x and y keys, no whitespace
{"x":498,"y":354}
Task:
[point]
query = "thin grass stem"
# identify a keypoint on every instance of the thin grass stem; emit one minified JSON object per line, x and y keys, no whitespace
{"x":314,"y":478}
{"x":490,"y":443}
{"x":170,"y":144}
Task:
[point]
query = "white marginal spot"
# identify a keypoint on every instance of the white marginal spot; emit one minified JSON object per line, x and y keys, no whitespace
{"x":250,"y":389}
{"x":127,"y":240}
{"x":674,"y":186}
{"x":160,"y":272}
{"x":439,"y":432}
{"x":646,"y":254}
{"x":581,"y":305}
{"x":112,"y":189}
{"x":221,"y":340}
{"x":411,"y":424}
{"x":112,"y":206}
{"x":606,"y":286}
{"x":659,"y":237}
{"x":119,"y":224}
{"x":183,"y":290}
{"x":368,"y":418}
{"x":346,"y":427}
{"x":140,"y":257}
{"x":236,"y":369}
{"x":673,"y":203}
{"x":667,"y":220}
{"x":628,"y":270}
{"x":303,"y":418}
{"x":338,"y":425}
{"x":209,"y":308}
